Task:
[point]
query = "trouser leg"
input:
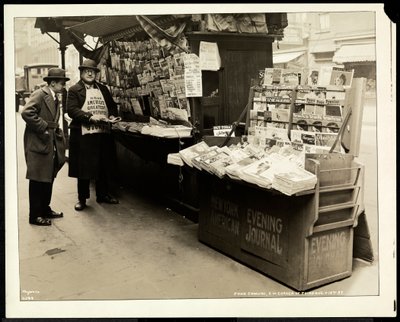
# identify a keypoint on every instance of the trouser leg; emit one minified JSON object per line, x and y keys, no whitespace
{"x":47,"y":193}
{"x":102,"y":178}
{"x":101,"y":186}
{"x":83,"y":189}
{"x":39,"y":198}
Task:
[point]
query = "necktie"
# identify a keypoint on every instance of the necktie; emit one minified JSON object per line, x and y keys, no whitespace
{"x":56,"y":102}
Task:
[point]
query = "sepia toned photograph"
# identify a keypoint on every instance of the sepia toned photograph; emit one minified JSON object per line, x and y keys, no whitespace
{"x":123,"y":199}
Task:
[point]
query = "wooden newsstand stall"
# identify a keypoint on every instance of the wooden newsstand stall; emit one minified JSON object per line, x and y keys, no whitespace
{"x":304,"y":240}
{"x":144,"y":159}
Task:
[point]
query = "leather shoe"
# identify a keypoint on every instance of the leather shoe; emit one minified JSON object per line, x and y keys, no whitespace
{"x":107,"y":199}
{"x":54,"y":214}
{"x":80,"y":205}
{"x":40,"y":221}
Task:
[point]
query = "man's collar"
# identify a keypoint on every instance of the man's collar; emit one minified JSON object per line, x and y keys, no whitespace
{"x":52,"y":93}
{"x":88,"y":85}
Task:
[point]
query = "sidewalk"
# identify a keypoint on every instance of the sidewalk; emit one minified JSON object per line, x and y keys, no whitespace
{"x":137,"y":249}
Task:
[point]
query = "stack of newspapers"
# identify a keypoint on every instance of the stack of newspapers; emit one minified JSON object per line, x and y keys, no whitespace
{"x":167,"y":131}
{"x":294,"y":181}
{"x":279,"y":168}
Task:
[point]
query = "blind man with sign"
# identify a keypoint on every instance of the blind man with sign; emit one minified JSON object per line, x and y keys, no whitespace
{"x":92,"y":148}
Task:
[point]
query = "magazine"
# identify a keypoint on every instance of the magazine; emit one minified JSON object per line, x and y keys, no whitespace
{"x":272,"y":76}
{"x":198,"y":160}
{"x":305,"y":137}
{"x":193,"y":151}
{"x":137,"y":109}
{"x":222,"y":130}
{"x":294,"y":181}
{"x":251,"y":173}
{"x":312,"y":78}
{"x":291,"y":77}
{"x":341,"y":78}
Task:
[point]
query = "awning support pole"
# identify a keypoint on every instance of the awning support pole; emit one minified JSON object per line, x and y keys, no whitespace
{"x":53,"y":38}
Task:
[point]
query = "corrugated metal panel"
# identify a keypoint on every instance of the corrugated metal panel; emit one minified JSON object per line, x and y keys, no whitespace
{"x":103,"y":26}
{"x":355,"y":53}
{"x":116,"y":27}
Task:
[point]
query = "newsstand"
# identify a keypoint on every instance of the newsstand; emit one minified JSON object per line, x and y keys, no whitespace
{"x":303,"y":240}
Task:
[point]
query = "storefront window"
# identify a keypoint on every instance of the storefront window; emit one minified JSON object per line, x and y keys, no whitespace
{"x":324,"y":21}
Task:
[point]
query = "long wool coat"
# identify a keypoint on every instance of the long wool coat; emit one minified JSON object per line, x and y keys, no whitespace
{"x":44,"y":141}
{"x":88,"y":154}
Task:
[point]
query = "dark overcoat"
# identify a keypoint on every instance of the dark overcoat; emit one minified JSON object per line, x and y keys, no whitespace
{"x":44,"y":141}
{"x":86,"y":151}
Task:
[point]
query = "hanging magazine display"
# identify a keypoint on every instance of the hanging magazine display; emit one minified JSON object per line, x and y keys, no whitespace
{"x":145,"y":79}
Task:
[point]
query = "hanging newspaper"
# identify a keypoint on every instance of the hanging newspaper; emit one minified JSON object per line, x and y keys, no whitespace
{"x":193,"y":81}
{"x":209,"y":56}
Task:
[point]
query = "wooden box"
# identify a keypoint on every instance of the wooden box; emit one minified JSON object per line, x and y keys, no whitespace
{"x":294,"y":239}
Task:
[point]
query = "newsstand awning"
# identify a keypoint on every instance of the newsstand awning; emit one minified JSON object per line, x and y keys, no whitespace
{"x":286,"y":57}
{"x":115,"y":27}
{"x":355,"y":53}
{"x":105,"y":25}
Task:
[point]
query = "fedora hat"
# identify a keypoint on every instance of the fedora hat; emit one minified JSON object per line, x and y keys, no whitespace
{"x":89,"y":64}
{"x":56,"y":74}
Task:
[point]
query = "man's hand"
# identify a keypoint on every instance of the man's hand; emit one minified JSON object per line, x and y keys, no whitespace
{"x":98,"y":118}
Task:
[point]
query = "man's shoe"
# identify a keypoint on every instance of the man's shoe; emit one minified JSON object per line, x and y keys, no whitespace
{"x":40,"y":221}
{"x":54,"y":214}
{"x":107,"y":199}
{"x":80,"y":205}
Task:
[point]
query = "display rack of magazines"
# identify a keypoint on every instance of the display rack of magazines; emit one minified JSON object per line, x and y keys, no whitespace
{"x":285,"y":107}
{"x":286,"y":120}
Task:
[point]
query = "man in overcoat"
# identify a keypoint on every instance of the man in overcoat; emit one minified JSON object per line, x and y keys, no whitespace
{"x":91,"y":146}
{"x":44,"y":145}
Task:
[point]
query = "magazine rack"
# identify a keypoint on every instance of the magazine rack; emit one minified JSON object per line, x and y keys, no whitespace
{"x":340,"y":112}
{"x":304,"y":240}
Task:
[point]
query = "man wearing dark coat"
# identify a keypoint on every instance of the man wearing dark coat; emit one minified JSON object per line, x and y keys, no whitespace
{"x":44,"y":146}
{"x":91,"y":146}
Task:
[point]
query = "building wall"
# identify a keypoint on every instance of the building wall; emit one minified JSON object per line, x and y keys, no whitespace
{"x":307,"y":30}
{"x":321,"y":34}
{"x":31,"y":46}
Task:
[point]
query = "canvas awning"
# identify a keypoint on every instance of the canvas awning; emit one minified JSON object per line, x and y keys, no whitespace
{"x":355,"y":53}
{"x":115,"y":27}
{"x":286,"y":57}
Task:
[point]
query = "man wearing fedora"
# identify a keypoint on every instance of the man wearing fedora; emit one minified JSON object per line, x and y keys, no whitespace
{"x":44,"y":146}
{"x":91,"y":145}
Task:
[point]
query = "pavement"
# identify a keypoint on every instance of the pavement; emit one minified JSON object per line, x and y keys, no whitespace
{"x":140,"y":249}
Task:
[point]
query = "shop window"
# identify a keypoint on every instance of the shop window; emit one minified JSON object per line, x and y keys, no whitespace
{"x":324,"y":21}
{"x":324,"y":56}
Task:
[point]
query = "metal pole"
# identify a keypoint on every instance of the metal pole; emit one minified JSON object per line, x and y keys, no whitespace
{"x":64,"y":98}
{"x":62,"y":50}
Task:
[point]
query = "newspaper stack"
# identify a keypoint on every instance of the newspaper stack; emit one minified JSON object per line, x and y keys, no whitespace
{"x":193,"y":151}
{"x":200,"y":162}
{"x":216,"y":164}
{"x":167,"y":131}
{"x":136,"y":127}
{"x":251,"y":173}
{"x":233,"y":170}
{"x":294,"y":181}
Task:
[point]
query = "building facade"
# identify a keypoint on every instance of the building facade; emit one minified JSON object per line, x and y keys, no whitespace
{"x":33,"y":47}
{"x":336,"y":39}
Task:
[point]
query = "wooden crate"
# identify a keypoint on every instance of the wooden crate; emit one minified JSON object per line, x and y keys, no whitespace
{"x":294,"y":239}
